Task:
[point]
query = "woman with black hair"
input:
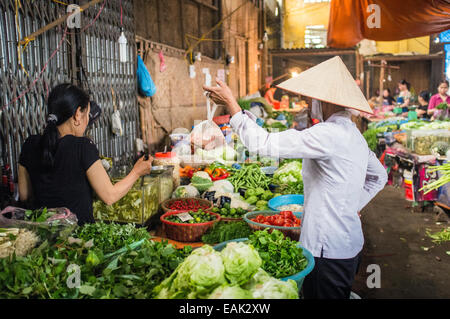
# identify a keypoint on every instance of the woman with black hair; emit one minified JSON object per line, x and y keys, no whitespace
{"x":61,"y":167}
{"x":405,"y":95}
{"x":423,"y":98}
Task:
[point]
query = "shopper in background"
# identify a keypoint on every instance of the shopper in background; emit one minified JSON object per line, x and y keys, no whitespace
{"x":438,"y":98}
{"x":404,"y":95}
{"x":387,"y":97}
{"x":61,"y":167}
{"x":423,"y":98}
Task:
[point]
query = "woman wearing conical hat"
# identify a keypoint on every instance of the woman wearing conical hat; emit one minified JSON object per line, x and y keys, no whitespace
{"x":340,"y":174}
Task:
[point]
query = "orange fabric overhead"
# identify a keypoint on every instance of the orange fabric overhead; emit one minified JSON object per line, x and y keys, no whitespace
{"x":399,"y":20}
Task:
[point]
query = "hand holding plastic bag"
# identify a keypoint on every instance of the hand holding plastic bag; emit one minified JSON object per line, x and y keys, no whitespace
{"x":207,"y":135}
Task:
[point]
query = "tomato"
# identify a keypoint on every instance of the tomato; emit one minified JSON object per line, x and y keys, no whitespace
{"x":286,"y":214}
{"x":279,"y":221}
{"x":288,"y":224}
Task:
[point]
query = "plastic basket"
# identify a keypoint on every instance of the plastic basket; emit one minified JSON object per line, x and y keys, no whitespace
{"x":298,"y":277}
{"x":186,"y":232}
{"x":274,"y":203}
{"x":291,"y":232}
{"x":165,"y":205}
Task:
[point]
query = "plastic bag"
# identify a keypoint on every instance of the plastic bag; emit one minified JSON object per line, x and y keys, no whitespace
{"x":207,"y":135}
{"x":60,"y":224}
{"x":145,"y":82}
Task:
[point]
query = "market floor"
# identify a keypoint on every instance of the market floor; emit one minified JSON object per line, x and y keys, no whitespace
{"x":395,"y":238}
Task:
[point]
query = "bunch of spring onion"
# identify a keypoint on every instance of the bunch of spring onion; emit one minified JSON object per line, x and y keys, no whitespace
{"x":444,"y":179}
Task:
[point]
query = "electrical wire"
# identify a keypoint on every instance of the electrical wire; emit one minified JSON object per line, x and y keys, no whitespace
{"x":65,"y":33}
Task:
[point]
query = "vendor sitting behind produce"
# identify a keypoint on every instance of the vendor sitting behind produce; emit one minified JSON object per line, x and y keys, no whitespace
{"x":422,"y":109}
{"x":61,"y":167}
{"x":440,"y":97}
{"x":340,"y":173}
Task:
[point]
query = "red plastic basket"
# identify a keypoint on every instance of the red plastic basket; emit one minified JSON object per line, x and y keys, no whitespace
{"x":186,"y":232}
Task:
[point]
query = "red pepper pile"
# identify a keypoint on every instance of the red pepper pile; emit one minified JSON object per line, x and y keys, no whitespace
{"x":284,"y":219}
{"x":188,"y":204}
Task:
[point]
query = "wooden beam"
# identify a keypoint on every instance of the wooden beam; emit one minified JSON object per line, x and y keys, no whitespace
{"x":305,"y":52}
{"x":405,"y":57}
{"x":55,"y":23}
{"x":385,"y":66}
{"x":202,"y":3}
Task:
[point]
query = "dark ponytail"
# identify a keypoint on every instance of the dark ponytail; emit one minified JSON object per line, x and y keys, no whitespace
{"x":404,"y":82}
{"x":63,"y":103}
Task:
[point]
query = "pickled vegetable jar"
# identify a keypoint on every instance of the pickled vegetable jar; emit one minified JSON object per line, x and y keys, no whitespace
{"x":137,"y":206}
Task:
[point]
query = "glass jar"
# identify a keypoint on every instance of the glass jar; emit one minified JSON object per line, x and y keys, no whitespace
{"x":165,"y":182}
{"x":137,"y":206}
{"x":169,"y":159}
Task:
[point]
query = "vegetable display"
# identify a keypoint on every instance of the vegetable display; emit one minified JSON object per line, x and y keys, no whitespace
{"x":110,"y":237}
{"x":249,"y":176}
{"x":190,"y":204}
{"x":129,"y":273}
{"x":233,"y":273}
{"x":217,"y":171}
{"x":280,"y":255}
{"x":198,"y":217}
{"x":223,"y":231}
{"x":284,"y":219}
{"x":289,"y":177}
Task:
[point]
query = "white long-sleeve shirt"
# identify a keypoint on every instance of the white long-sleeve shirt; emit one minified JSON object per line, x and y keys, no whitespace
{"x":340,"y":175}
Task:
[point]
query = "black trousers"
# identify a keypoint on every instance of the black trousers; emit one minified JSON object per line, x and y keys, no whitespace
{"x":331,"y":278}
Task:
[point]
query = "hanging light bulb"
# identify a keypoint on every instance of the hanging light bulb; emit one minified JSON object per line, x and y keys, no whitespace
{"x":389,"y":78}
{"x":123,"y":50}
{"x":265,"y":37}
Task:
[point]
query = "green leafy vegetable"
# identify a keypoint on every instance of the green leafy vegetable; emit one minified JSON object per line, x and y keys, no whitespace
{"x":263,"y":286}
{"x":241,"y":262}
{"x":289,"y":177}
{"x":223,"y":231}
{"x":280,"y":255}
{"x":202,"y":181}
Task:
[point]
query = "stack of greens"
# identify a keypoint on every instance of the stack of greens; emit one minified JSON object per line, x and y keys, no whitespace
{"x":280,"y":255}
{"x":233,"y":273}
{"x":90,"y":259}
{"x":223,"y":231}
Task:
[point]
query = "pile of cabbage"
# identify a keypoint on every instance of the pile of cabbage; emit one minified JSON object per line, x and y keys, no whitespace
{"x":233,"y":273}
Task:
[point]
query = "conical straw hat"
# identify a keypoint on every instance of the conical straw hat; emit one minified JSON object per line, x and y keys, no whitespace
{"x":329,"y":81}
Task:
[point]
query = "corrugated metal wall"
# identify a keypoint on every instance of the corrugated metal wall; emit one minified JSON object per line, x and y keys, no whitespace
{"x":93,"y":49}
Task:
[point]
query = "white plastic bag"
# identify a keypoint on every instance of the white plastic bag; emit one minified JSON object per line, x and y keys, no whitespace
{"x":207,"y":135}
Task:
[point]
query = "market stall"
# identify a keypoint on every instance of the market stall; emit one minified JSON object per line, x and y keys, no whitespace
{"x":408,"y":148}
{"x":201,"y":225}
